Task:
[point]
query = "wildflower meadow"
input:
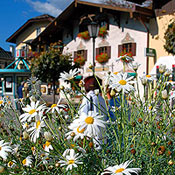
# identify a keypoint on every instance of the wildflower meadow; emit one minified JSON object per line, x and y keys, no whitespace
{"x":61,"y":140}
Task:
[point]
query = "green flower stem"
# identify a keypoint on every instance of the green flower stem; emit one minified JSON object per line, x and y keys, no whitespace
{"x":49,"y":127}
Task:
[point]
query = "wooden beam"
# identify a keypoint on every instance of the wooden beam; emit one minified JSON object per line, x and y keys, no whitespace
{"x":75,"y":3}
{"x":131,"y":14}
{"x":104,"y":6}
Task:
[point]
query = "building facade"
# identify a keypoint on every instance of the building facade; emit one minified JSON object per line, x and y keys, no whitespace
{"x":27,"y":33}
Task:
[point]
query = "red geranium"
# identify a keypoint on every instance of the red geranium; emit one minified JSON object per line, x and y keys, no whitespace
{"x":80,"y":60}
{"x":102,"y":58}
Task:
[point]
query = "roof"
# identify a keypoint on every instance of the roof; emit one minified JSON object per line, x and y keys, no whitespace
{"x":13,"y":67}
{"x":44,"y":17}
{"x":5,"y":54}
{"x":78,"y":8}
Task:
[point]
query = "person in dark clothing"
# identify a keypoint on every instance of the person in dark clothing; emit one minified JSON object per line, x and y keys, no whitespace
{"x":19,"y":91}
{"x":20,"y":96}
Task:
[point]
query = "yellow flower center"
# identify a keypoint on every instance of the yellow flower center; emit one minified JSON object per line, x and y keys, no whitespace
{"x":115,"y":73}
{"x":89,"y":120}
{"x":148,"y":76}
{"x":38,"y":124}
{"x":32,"y":111}
{"x":26,"y":125}
{"x":54,"y":105}
{"x":47,"y":143}
{"x":1,"y":101}
{"x":71,"y":161}
{"x":24,"y":161}
{"x":80,"y":131}
{"x":119,"y":170}
{"x":122,"y":82}
{"x":33,"y":148}
{"x":10,"y":163}
{"x":150,"y":107}
{"x":0,"y":148}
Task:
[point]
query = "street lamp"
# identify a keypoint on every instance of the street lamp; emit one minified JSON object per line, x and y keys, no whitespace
{"x":93,"y":29}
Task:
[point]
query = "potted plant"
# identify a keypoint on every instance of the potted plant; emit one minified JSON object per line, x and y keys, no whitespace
{"x":102,"y":58}
{"x":80,"y":60}
{"x":84,"y":35}
{"x":102,"y":31}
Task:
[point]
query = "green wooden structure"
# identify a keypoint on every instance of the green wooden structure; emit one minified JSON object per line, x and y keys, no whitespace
{"x":12,"y":76}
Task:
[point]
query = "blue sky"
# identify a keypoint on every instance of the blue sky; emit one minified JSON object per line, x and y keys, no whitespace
{"x":14,"y":13}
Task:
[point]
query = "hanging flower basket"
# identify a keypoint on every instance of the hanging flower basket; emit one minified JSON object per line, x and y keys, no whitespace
{"x":102,"y":58}
{"x":80,"y":60}
{"x":102,"y":31}
{"x":84,"y":35}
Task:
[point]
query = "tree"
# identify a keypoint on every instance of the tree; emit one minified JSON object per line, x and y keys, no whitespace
{"x":170,"y":38}
{"x":48,"y":66}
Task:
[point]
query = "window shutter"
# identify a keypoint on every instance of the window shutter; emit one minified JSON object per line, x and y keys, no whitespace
{"x":97,"y":51}
{"x":120,"y":49}
{"x":133,"y":49}
{"x":75,"y":54}
{"x":85,"y":54}
{"x":109,"y":51}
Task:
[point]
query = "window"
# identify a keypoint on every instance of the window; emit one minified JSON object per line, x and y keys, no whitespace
{"x":106,"y":49}
{"x":8,"y":84}
{"x":38,"y":31}
{"x":102,"y":50}
{"x":82,"y":53}
{"x":128,"y":47}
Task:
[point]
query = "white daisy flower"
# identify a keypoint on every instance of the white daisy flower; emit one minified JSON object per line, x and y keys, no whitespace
{"x":168,"y":72}
{"x":170,"y":82}
{"x":56,"y":107}
{"x":70,"y":160}
{"x":31,"y":111}
{"x":120,"y":82}
{"x":35,"y":130}
{"x":27,"y":161}
{"x":125,"y":58}
{"x":2,"y":103}
{"x":162,"y":68}
{"x":25,"y":125}
{"x":121,"y":169}
{"x":4,"y":149}
{"x":47,"y":146}
{"x":11,"y":164}
{"x":91,"y":123}
{"x":69,"y":76}
{"x":149,"y":77}
{"x":75,"y":133}
{"x":134,"y":65}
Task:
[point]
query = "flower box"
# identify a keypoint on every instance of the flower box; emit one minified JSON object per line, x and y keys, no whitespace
{"x":84,"y":35}
{"x":126,"y":57}
{"x":80,"y":60}
{"x":102,"y":58}
{"x":102,"y":31}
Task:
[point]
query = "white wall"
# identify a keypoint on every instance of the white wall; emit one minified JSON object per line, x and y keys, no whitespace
{"x":114,"y":38}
